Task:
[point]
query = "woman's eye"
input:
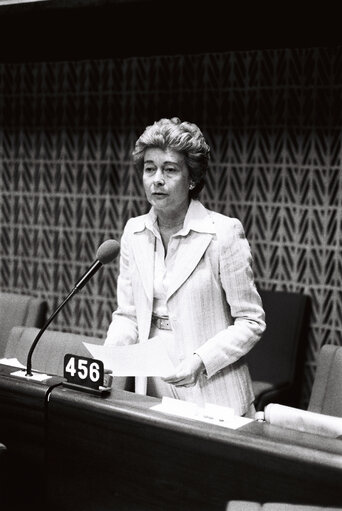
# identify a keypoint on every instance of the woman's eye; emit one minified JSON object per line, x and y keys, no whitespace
{"x":148,"y":169}
{"x":170,"y":169}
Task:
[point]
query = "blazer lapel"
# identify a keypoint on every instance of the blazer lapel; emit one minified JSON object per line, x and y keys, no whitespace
{"x":143,"y":249}
{"x":188,"y":256}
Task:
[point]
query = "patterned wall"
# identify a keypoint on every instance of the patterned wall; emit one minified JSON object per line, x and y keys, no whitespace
{"x":273,"y":119}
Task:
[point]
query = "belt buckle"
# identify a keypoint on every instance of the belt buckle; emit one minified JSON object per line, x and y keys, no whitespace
{"x":164,"y":324}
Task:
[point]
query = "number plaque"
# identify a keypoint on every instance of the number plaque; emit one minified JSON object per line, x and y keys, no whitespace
{"x":85,"y":373}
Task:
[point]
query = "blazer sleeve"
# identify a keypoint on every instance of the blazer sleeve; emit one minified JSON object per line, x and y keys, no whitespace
{"x":123,"y":327}
{"x":236,"y":276}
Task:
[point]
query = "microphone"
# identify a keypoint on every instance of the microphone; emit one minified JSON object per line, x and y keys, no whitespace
{"x":106,"y":253}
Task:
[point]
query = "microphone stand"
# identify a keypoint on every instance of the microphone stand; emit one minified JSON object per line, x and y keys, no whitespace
{"x":42,"y":330}
{"x":83,"y":280}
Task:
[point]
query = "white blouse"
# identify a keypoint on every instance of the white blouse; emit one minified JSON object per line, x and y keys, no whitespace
{"x":162,"y":267}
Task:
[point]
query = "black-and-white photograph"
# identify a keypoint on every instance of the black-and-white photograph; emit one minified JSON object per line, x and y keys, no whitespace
{"x":170,"y":256}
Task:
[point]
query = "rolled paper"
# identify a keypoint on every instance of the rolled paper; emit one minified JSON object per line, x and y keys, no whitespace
{"x":303,"y":420}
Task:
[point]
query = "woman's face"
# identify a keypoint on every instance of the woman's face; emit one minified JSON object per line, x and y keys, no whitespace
{"x":166,"y":181}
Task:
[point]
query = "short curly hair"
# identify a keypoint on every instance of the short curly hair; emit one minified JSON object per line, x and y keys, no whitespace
{"x":184,"y":137}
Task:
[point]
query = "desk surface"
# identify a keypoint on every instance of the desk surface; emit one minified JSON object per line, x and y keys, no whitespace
{"x":260,"y":435}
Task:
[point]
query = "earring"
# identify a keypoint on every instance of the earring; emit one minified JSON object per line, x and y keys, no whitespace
{"x":191,"y":185}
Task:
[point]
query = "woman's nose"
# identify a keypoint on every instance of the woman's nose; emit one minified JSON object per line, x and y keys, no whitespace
{"x":159,"y":177}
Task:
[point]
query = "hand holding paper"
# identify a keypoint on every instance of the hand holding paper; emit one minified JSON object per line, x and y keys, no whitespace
{"x":187,"y":372}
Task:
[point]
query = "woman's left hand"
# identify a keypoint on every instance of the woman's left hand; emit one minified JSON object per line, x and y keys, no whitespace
{"x":187,"y":372}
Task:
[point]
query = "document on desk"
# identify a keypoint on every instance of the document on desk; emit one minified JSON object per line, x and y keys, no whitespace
{"x":211,"y":414}
{"x":14,"y":362}
{"x":148,"y":358}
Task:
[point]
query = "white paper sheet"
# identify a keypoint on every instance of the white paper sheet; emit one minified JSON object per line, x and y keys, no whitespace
{"x":22,"y":374}
{"x":149,"y":358}
{"x":12,"y":362}
{"x":34,"y":377}
{"x":211,"y":414}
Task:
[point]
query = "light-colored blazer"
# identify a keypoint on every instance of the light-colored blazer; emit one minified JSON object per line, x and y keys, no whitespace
{"x":214,"y":307}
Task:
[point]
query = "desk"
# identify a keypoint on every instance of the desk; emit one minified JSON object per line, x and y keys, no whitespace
{"x":72,"y":450}
{"x":22,"y":430}
{"x":116,"y":453}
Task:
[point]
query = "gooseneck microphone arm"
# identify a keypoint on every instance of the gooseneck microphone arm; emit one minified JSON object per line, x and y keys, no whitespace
{"x":105,"y":254}
{"x":42,"y":330}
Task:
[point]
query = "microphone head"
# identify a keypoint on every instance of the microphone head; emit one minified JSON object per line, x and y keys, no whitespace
{"x":107,"y":251}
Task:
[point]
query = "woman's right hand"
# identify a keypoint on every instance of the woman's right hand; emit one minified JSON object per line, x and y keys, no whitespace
{"x":187,"y":372}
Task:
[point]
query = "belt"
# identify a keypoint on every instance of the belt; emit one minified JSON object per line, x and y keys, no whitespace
{"x":161,"y":322}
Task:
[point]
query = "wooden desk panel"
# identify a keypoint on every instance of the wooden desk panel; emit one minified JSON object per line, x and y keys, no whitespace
{"x":22,"y":406}
{"x":79,"y":451}
{"x":116,"y":453}
{"x":22,"y":430}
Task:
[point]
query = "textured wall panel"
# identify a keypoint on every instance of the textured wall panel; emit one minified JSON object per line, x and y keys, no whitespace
{"x":273,"y":120}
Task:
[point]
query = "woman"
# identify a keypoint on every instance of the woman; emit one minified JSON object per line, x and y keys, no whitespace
{"x":185,"y":275}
